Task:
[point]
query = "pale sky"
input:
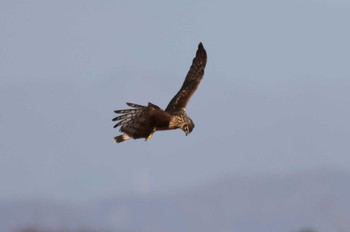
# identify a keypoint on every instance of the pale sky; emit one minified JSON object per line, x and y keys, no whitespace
{"x":275,"y":98}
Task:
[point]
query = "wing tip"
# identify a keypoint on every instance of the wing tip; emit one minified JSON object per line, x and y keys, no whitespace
{"x":200,"y":46}
{"x":201,"y":51}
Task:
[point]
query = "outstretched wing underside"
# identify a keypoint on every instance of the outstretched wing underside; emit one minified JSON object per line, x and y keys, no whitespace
{"x":135,"y":122}
{"x":192,"y":80}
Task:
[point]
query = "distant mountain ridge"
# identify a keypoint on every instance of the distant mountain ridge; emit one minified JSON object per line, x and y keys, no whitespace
{"x":316,"y":199}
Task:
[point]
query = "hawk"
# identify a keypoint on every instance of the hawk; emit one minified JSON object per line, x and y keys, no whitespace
{"x":142,"y":121}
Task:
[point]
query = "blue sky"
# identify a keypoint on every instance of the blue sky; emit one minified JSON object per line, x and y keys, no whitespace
{"x":274,"y":99}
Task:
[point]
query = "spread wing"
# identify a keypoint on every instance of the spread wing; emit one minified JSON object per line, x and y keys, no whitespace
{"x":192,"y":80}
{"x":136,"y":122}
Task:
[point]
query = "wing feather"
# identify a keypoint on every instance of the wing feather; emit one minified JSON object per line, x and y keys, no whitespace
{"x":192,"y":80}
{"x":134,"y":105}
{"x":138,"y":122}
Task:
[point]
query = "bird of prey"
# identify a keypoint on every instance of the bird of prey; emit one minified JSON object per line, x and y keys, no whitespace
{"x":142,"y":121}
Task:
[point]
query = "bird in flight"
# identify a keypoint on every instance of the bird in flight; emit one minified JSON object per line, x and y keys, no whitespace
{"x":142,"y":121}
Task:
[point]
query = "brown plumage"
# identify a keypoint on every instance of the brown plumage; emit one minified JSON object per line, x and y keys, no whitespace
{"x":142,"y":121}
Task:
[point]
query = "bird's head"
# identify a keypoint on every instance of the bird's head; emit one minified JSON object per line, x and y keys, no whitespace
{"x":187,"y":124}
{"x":181,"y":120}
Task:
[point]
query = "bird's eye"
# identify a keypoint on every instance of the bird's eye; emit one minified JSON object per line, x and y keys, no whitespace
{"x":186,"y":128}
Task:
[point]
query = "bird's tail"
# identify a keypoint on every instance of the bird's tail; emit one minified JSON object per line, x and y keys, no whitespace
{"x":121,"y":138}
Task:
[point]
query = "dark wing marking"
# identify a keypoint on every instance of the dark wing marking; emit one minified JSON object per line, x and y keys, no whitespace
{"x":192,"y":80}
{"x":128,"y":115}
{"x":138,"y":122}
{"x":134,"y":122}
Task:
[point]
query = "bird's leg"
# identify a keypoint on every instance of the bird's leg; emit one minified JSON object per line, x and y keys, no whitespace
{"x":150,"y":135}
